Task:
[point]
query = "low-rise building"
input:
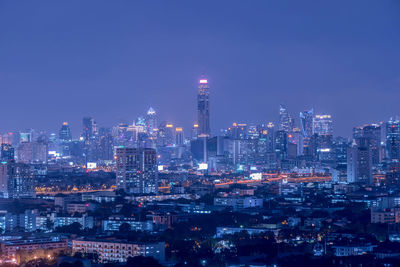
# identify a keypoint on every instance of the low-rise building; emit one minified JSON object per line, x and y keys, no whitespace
{"x":119,"y":250}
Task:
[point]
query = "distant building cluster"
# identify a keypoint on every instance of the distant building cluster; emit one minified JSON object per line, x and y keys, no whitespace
{"x":153,"y":189}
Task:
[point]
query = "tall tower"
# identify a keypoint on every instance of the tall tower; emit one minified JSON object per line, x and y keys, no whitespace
{"x":65,"y":133}
{"x":286,"y":122}
{"x":322,"y":125}
{"x":306,"y":122}
{"x":151,"y":120}
{"x":203,"y":108}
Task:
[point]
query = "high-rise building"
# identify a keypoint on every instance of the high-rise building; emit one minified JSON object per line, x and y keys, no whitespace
{"x":306,"y":123}
{"x":65,"y":134}
{"x":281,"y":144}
{"x":32,"y":152}
{"x":137,"y":170}
{"x":105,"y":148}
{"x":270,"y":136}
{"x":322,"y":125}
{"x":16,"y":180}
{"x":7,"y":152}
{"x":237,"y":131}
{"x":296,"y":137}
{"x":372,"y":133}
{"x":393,"y":139}
{"x":195,"y":131}
{"x":89,"y":128}
{"x":359,"y":162}
{"x":151,"y":121}
{"x":203,"y":108}
{"x":179,"y":138}
{"x":286,"y":122}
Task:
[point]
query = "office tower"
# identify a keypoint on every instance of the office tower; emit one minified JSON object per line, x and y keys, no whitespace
{"x":340,"y":147}
{"x":89,"y":129}
{"x":4,"y":179}
{"x":16,"y":180}
{"x":325,"y":147}
{"x":237,"y":131}
{"x":357,"y":132}
{"x":179,"y":138}
{"x":198,"y":149}
{"x":165,"y":135}
{"x":270,"y":138}
{"x":281,"y":143}
{"x":322,"y":125}
{"x":253,"y":132}
{"x":359,"y":162}
{"x":296,"y":137}
{"x":372,"y":133}
{"x":393,"y":139}
{"x":7,"y":152}
{"x":151,"y":121}
{"x":137,"y":170}
{"x":64,"y":134}
{"x":105,"y":146}
{"x":195,"y":131}
{"x":306,"y":123}
{"x":203,"y":108}
{"x":286,"y":122}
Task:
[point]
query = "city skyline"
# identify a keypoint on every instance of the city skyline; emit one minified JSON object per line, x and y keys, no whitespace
{"x":318,"y":57}
{"x":199,"y":133}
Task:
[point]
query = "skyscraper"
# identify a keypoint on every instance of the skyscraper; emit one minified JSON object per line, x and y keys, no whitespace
{"x":359,"y":162}
{"x":203,"y":108}
{"x":89,"y":127}
{"x":179,"y":137}
{"x":16,"y":180}
{"x":372,"y":133}
{"x":393,"y":139}
{"x":286,"y":122}
{"x":7,"y":152}
{"x":322,"y":125}
{"x":281,"y":144}
{"x":151,"y":121}
{"x":306,"y":123}
{"x":195,"y":131}
{"x":137,"y":170}
{"x":65,"y":133}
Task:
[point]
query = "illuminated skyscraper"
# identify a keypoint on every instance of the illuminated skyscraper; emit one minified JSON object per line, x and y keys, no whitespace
{"x":359,"y":162}
{"x":65,"y":133}
{"x":306,"y":123}
{"x":203,"y":108}
{"x":151,"y":120}
{"x":179,"y":138}
{"x":286,"y":122}
{"x":322,"y":125}
{"x":195,"y":131}
{"x":89,"y":128}
{"x":393,"y":139}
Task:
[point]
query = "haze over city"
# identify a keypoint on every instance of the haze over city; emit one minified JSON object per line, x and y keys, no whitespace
{"x":112,"y":61}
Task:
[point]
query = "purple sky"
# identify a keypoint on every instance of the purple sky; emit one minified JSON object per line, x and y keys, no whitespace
{"x":62,"y":60}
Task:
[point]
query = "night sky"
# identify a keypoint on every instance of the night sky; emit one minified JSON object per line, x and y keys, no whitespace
{"x":62,"y":60}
